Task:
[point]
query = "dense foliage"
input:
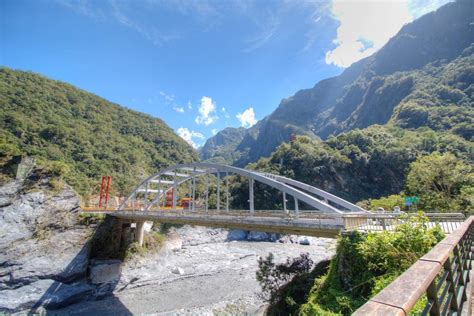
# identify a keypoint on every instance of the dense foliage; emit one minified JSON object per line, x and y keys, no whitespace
{"x":362,"y":164}
{"x":442,"y":182}
{"x":81,"y":134}
{"x":365,"y":264}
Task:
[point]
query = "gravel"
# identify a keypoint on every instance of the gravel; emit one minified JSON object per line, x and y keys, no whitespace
{"x":217,"y":276}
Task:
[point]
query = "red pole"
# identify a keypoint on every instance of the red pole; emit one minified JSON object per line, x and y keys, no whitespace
{"x":107,"y":191}
{"x":101,"y":191}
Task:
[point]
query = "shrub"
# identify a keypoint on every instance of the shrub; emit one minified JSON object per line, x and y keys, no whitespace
{"x":365,"y":264}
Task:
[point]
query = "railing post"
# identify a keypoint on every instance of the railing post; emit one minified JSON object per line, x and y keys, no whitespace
{"x":284,"y":204}
{"x":432,"y":295}
{"x":452,"y":285}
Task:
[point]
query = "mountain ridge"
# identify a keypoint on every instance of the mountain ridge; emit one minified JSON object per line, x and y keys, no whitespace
{"x":369,"y":91}
{"x":81,"y":135}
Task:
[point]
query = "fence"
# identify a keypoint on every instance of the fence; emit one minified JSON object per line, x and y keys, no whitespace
{"x":442,"y":275}
{"x":380,"y":222}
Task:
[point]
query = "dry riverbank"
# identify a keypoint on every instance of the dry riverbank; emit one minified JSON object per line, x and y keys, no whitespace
{"x":216,"y":276}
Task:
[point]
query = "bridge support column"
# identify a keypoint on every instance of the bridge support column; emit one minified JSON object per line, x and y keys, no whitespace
{"x":140,"y":231}
{"x":251,"y":198}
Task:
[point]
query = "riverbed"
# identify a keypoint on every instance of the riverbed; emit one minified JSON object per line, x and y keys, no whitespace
{"x":197,"y":272}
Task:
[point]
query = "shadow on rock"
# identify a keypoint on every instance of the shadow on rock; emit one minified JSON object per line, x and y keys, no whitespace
{"x":97,"y":282}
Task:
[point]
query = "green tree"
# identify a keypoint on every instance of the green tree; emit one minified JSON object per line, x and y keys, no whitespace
{"x":442,"y":182}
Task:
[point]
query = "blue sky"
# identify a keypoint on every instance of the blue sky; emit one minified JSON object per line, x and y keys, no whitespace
{"x":199,"y":65}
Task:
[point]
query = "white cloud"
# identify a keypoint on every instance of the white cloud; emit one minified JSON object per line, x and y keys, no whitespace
{"x":206,"y":110}
{"x":188,"y":136}
{"x":365,"y":26}
{"x":178,"y":109}
{"x":167,"y":97}
{"x":190,"y":105}
{"x":214,"y":131}
{"x":247,"y":118}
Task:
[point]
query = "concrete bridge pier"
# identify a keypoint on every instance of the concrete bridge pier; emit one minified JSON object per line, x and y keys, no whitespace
{"x":140,"y":232}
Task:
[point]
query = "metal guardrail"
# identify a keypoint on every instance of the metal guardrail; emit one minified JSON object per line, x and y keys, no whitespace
{"x":389,"y":221}
{"x":443,"y":275}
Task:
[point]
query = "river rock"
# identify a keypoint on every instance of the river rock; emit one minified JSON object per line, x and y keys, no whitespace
{"x":237,"y":234}
{"x":257,"y":236}
{"x":178,"y":270}
{"x":173,"y":241}
{"x":305,"y":240}
{"x":197,"y":235}
{"x":105,"y":271}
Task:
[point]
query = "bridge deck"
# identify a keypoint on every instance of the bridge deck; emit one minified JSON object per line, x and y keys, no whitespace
{"x":309,"y":223}
{"x":316,"y":225}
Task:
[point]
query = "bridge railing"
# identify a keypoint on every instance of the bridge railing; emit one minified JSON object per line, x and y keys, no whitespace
{"x":442,"y":276}
{"x":389,"y":221}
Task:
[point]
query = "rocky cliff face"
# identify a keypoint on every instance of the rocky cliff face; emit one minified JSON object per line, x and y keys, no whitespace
{"x":43,"y":247}
{"x":219,"y":148}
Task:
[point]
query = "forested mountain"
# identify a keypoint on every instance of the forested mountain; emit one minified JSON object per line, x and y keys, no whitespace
{"x":424,"y":76}
{"x":368,"y":163}
{"x":80,"y":134}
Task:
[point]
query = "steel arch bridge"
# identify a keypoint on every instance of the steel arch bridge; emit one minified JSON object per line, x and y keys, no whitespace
{"x":151,"y":191}
{"x":157,"y":198}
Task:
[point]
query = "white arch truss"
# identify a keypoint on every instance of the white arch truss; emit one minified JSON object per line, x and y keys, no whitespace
{"x":316,"y":198}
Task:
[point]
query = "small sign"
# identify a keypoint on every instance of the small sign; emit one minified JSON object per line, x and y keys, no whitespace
{"x":409,"y":200}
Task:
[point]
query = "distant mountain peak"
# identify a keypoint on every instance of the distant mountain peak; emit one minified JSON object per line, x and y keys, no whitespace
{"x":401,"y":84}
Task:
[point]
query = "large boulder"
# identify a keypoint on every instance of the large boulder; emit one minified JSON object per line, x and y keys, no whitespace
{"x":237,"y":234}
{"x":257,"y":236}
